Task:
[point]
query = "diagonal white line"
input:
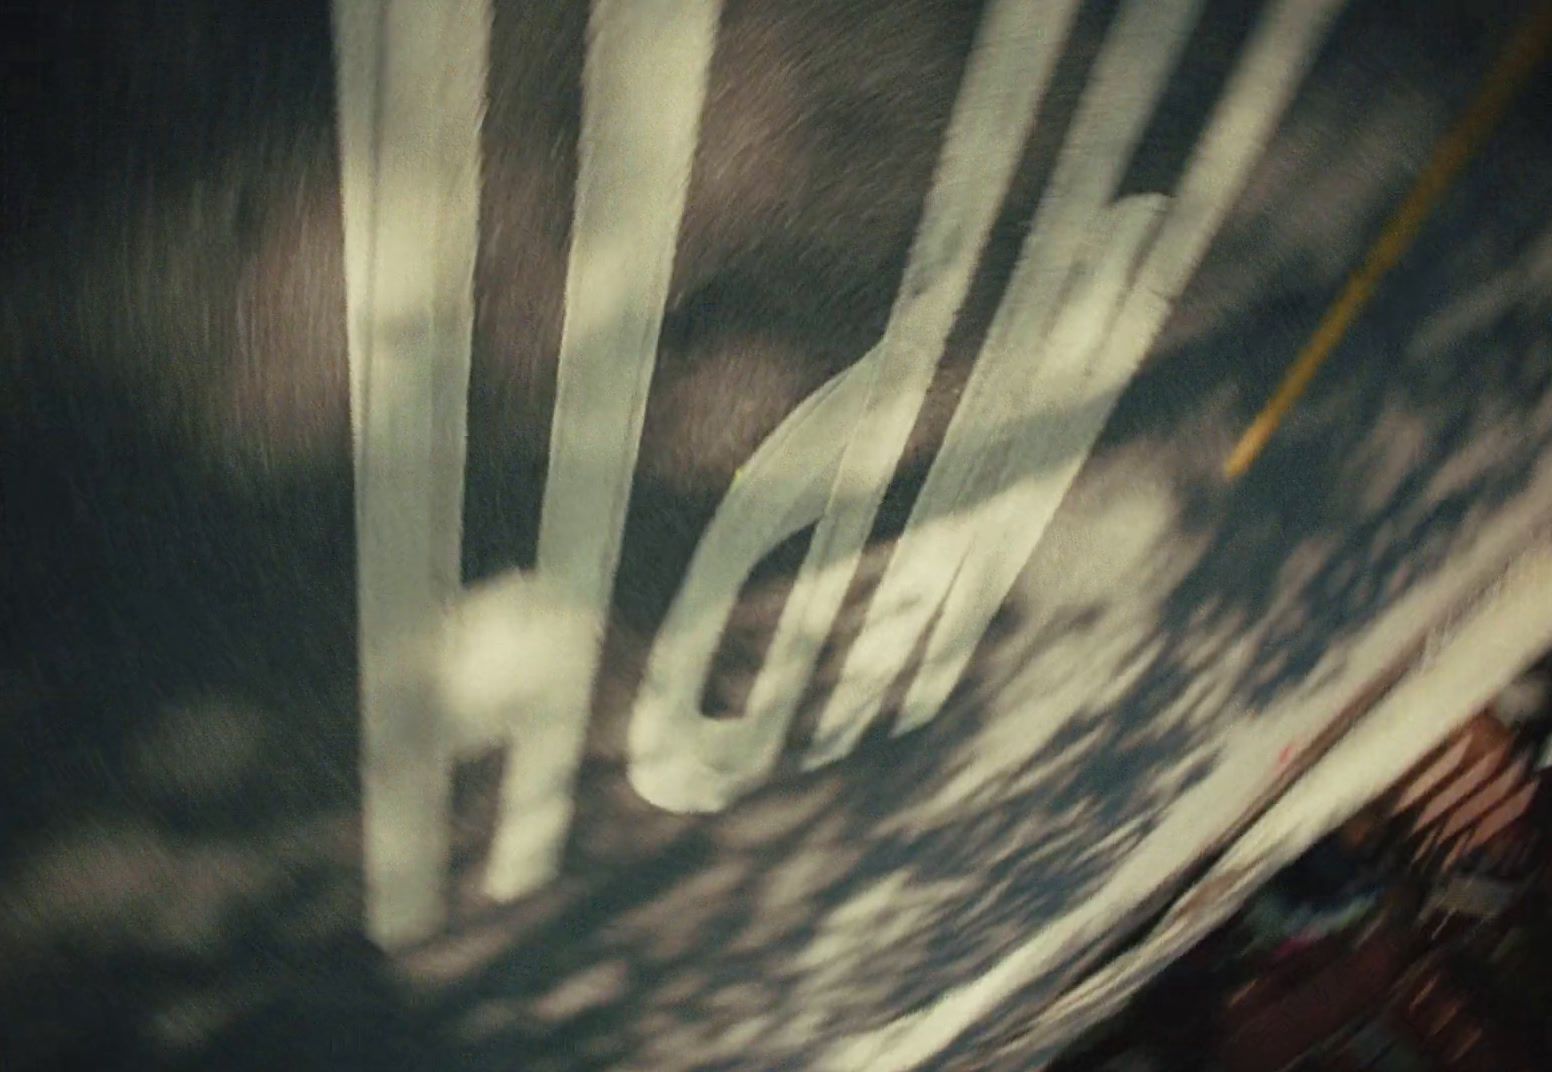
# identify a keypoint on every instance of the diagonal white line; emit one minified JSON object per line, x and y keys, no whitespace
{"x":1017,"y":45}
{"x":1013,"y":377}
{"x":1273,"y":63}
{"x":1280,"y":51}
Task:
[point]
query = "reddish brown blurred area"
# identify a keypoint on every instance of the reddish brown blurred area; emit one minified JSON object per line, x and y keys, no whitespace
{"x":1418,"y":936}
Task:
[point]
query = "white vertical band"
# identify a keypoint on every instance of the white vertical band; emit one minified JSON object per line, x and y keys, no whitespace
{"x":411,"y":88}
{"x":643,"y":87}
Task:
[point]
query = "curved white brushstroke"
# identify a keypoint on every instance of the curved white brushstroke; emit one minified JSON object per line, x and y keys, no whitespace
{"x":1009,"y":68}
{"x":1016,"y":52}
{"x":411,"y":85}
{"x":1237,"y":133}
{"x":706,"y":764}
{"x":1018,"y":363}
{"x":643,"y":88}
{"x":680,"y":760}
{"x":947,"y":553}
{"x":1002,"y":531}
{"x":1274,"y":62}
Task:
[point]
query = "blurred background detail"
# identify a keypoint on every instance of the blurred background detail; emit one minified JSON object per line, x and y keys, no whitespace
{"x":1415,"y":936}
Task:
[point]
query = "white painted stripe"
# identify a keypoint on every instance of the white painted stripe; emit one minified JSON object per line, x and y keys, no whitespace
{"x":1035,"y":476}
{"x":411,"y":83}
{"x":1052,"y":446}
{"x":643,"y":87}
{"x":1275,"y":60}
{"x":357,"y":44}
{"x":680,"y":760}
{"x":1011,"y":63}
{"x":1008,"y":392}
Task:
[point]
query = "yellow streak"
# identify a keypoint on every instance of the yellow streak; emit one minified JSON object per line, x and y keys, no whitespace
{"x":1504,"y":80}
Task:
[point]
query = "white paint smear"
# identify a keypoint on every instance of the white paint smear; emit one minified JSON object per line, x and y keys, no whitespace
{"x":643,"y":87}
{"x":1010,"y":66}
{"x":411,"y":84}
{"x":680,"y":760}
{"x":1272,"y":65}
{"x":1032,"y":385}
